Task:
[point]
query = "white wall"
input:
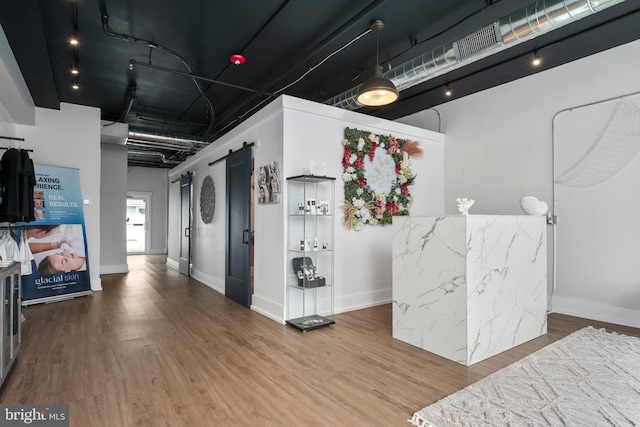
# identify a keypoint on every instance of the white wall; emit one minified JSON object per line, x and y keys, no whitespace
{"x":14,"y":93}
{"x":208,"y":240}
{"x":70,"y":137}
{"x":7,"y":125}
{"x":113,"y":196}
{"x":156,"y":182}
{"x":496,"y":155}
{"x":362,"y":258}
{"x":292,"y":132}
{"x":597,"y":249}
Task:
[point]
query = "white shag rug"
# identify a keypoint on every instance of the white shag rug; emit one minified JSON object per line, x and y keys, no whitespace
{"x":589,"y":378}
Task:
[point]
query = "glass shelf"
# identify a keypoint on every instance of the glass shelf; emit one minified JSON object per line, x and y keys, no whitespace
{"x":311,"y":208}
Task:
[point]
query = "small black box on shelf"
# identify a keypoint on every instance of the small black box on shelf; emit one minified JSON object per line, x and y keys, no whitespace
{"x":306,"y":273}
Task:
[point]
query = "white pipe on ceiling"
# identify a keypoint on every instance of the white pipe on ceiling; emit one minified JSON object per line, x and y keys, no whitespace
{"x":153,"y":137}
{"x":526,"y":23}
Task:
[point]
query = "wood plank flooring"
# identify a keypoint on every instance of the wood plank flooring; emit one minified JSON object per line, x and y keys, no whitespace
{"x":157,"y":349}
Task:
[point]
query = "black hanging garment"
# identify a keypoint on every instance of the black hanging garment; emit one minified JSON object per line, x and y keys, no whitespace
{"x":27,"y":183}
{"x":11,"y":177}
{"x":18,"y":180}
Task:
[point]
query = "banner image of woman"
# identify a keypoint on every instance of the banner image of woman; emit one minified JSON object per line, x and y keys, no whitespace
{"x":57,"y":248}
{"x":56,"y":239}
{"x":59,"y":264}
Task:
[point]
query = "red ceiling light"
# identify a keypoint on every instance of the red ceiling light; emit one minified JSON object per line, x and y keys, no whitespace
{"x":237,"y":59}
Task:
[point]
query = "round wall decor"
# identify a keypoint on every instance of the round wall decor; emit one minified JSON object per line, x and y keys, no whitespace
{"x":207,"y":199}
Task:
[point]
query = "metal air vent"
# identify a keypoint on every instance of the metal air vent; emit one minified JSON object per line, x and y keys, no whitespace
{"x":530,"y":21}
{"x":478,"y":41}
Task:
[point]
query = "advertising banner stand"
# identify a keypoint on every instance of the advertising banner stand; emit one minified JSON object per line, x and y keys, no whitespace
{"x":56,"y":239}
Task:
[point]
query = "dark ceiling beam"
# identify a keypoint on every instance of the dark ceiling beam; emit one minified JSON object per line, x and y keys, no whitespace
{"x":22,"y":24}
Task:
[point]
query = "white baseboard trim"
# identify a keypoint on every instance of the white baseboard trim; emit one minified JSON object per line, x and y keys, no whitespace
{"x":360,"y":301}
{"x":161,"y":251}
{"x":114,"y":268}
{"x":275,"y":311}
{"x":173,"y":264}
{"x":96,"y":284}
{"x":208,"y":280}
{"x":268,"y":308}
{"x":595,"y":311}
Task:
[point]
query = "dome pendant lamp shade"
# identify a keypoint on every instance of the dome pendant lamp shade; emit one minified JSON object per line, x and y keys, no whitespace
{"x":378,"y":90}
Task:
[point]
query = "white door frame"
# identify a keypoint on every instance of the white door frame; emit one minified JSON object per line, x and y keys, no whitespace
{"x":146,"y":196}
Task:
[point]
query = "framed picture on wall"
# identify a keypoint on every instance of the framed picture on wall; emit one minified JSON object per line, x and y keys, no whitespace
{"x":269,"y":184}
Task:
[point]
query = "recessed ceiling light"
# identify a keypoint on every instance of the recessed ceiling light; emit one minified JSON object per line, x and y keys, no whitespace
{"x":536,"y":60}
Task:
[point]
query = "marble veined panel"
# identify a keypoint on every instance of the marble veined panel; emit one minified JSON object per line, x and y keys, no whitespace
{"x":469,"y":287}
{"x":429,"y":290}
{"x":506,"y":282}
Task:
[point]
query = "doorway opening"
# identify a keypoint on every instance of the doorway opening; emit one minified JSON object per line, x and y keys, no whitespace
{"x":137,"y":222}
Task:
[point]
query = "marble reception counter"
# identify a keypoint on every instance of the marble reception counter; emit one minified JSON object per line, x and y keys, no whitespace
{"x":469,"y":287}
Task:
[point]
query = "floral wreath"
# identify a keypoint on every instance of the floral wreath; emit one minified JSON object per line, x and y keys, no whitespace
{"x":377,"y":176}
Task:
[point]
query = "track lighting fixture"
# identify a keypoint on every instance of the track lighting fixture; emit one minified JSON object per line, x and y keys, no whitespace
{"x":74,"y":40}
{"x":447,"y":91}
{"x":536,"y":60}
{"x":131,"y":64}
{"x":378,"y":90}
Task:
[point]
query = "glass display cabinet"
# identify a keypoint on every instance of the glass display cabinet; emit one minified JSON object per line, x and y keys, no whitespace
{"x":311,"y":229}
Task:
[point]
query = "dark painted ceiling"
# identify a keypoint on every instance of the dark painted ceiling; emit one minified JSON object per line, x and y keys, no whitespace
{"x":281,"y":40}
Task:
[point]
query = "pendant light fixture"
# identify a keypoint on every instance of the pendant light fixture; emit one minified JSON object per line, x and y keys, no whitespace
{"x":378,"y":90}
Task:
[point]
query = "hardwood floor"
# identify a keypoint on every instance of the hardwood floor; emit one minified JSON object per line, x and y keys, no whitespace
{"x":157,"y":349}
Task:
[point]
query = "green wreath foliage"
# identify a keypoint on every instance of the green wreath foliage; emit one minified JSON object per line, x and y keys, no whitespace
{"x":363,"y":205}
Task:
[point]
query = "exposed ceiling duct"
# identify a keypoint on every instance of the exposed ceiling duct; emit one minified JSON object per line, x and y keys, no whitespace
{"x":159,"y":145}
{"x":526,"y":23}
{"x":148,"y":148}
{"x":175,"y":140}
{"x":158,"y":154}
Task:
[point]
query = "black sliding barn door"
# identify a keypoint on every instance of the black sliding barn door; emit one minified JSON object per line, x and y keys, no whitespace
{"x":238,"y":277}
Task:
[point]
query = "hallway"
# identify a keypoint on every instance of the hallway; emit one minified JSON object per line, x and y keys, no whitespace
{"x":158,"y":349}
